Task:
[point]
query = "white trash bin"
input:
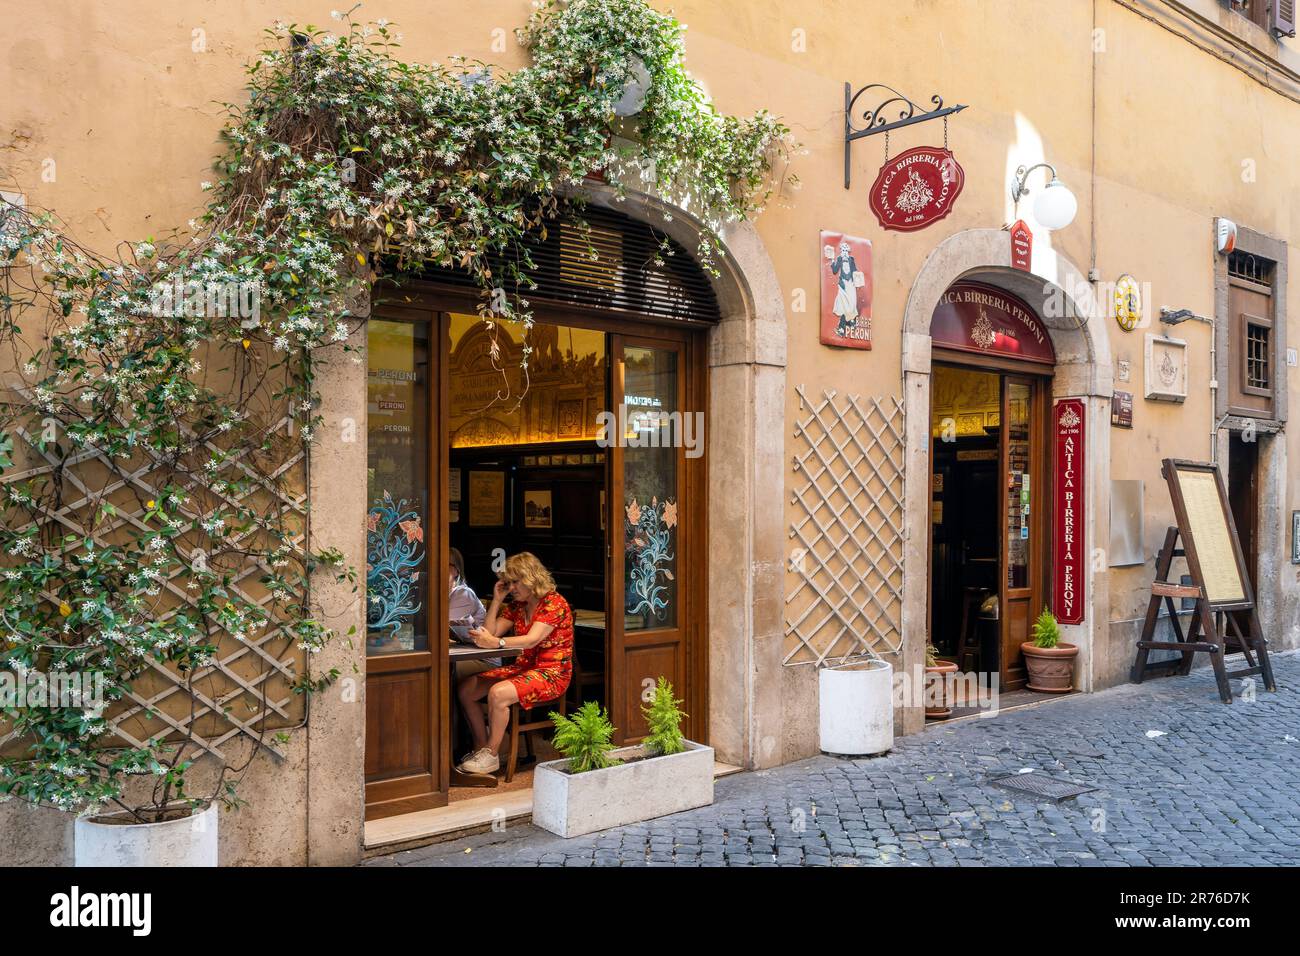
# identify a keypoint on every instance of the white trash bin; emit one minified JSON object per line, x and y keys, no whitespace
{"x":857,"y":708}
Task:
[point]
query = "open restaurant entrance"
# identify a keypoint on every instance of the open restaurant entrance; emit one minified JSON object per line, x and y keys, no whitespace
{"x":585,"y":451}
{"x":990,"y":474}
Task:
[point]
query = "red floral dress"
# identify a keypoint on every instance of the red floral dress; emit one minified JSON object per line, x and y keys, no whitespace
{"x":542,"y":672}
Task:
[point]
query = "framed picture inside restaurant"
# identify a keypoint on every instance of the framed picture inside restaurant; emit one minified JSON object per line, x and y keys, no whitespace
{"x":537,"y":508}
{"x":846,"y":289}
{"x":487,"y":499}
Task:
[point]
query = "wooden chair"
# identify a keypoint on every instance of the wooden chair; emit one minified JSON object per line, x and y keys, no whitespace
{"x":523,"y":722}
{"x":968,"y":647}
{"x":590,"y":648}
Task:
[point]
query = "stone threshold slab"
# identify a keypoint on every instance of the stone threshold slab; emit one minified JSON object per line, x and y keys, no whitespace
{"x":408,"y":831}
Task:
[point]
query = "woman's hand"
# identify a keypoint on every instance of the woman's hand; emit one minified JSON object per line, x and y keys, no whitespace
{"x":500,"y":591}
{"x":483,"y":638}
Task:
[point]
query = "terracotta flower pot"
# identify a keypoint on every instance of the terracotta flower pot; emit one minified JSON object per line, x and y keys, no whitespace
{"x":1051,"y":669}
{"x":942,"y":705}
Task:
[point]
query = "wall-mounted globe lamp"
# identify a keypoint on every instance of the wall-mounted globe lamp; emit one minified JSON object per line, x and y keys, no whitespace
{"x":1055,"y":206}
{"x":634,"y":91}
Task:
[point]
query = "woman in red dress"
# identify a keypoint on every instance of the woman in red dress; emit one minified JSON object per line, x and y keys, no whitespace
{"x":536,"y":619}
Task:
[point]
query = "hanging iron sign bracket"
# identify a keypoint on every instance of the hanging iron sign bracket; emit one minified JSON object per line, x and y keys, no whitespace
{"x":875,"y":118}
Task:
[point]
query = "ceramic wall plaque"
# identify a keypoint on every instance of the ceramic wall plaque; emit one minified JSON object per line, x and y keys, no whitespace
{"x":1166,"y":369}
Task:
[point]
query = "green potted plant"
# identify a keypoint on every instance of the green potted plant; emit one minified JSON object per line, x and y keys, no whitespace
{"x":1049,"y":660}
{"x":664,"y":717}
{"x":938,"y":692}
{"x":584,"y":738}
{"x":596,"y":786}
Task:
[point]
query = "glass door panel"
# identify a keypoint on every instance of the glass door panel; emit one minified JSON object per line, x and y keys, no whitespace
{"x":406,"y":671}
{"x":650,"y":492}
{"x":647,"y":560}
{"x":397,"y":459}
{"x":1022,"y":520}
{"x":1019,"y":484}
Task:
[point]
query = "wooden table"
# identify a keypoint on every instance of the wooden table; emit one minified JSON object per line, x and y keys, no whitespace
{"x":467,"y":652}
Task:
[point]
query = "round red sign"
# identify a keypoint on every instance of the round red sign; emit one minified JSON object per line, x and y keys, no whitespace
{"x":916,"y":188}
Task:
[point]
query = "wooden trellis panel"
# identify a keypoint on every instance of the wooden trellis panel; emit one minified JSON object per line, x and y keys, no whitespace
{"x":845,"y":587}
{"x":245,"y":690}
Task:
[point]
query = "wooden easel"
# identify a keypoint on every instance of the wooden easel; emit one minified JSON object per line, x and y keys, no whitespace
{"x":1210,"y":615}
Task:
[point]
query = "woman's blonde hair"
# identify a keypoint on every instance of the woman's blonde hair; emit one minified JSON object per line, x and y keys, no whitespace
{"x":528,"y":571}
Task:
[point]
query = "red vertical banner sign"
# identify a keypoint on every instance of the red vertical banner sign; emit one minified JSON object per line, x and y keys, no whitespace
{"x":1069,"y":424}
{"x":1022,"y":246}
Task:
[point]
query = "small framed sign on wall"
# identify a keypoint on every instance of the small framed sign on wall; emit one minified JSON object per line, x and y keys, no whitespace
{"x":845,"y":291}
{"x":1166,"y":369}
{"x":1295,"y":537}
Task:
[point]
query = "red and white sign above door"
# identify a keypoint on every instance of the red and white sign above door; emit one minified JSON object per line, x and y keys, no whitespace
{"x":1069,"y":573}
{"x":974,"y":317}
{"x":916,"y":188}
{"x":1022,"y":246}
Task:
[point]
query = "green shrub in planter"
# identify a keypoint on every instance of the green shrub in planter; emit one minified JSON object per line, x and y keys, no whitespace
{"x":584,"y":738}
{"x":1046,"y":633}
{"x":664,"y":715}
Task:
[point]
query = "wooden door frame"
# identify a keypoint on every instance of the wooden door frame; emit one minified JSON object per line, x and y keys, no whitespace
{"x":1041,"y":470}
{"x":436,"y":304}
{"x":1040,"y":533}
{"x":692,"y":547}
{"x":384,"y":798}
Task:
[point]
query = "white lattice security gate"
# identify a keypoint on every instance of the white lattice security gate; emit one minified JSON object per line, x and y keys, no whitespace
{"x":845,"y":590}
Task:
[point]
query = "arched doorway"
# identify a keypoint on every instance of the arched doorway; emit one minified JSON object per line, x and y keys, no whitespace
{"x":1061,"y":297}
{"x":989,"y":568}
{"x":652,"y":347}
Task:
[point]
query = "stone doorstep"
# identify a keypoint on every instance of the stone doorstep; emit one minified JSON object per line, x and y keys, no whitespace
{"x":1027,"y":705}
{"x":464,"y":818}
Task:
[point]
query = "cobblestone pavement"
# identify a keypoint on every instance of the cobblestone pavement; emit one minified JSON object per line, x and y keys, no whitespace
{"x":1220,"y":786}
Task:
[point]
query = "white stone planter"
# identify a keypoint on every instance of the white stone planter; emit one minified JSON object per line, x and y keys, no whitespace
{"x":578,"y":803}
{"x":856,"y":709}
{"x":189,"y":841}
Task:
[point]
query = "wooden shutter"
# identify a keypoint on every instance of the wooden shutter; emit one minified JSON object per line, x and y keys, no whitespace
{"x":636,"y":270}
{"x":1282,"y":16}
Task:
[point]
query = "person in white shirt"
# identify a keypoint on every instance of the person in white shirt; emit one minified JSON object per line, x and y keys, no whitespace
{"x":463,"y":606}
{"x":464,"y":609}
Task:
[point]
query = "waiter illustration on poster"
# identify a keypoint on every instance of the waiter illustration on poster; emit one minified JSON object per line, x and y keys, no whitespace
{"x":846,"y":291}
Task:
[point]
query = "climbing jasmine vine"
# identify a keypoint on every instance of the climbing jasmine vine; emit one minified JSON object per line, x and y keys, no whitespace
{"x":154,"y":515}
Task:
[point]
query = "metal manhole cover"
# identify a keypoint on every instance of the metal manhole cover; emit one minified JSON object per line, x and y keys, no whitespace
{"x":1041,"y":785}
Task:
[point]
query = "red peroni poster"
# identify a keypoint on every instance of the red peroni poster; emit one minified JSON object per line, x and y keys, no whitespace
{"x":845,"y":291}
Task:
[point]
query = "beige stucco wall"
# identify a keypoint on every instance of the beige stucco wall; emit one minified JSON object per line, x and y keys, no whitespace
{"x":108,"y":115}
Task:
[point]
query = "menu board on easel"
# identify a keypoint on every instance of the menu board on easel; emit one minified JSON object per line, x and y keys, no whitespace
{"x":1218,"y":583}
{"x":1209,"y":535}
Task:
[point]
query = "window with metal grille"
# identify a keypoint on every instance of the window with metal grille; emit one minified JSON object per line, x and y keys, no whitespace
{"x":1243,"y":265}
{"x":600,"y":258}
{"x":1257,"y":365}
